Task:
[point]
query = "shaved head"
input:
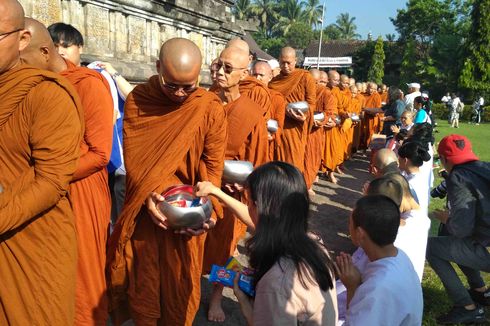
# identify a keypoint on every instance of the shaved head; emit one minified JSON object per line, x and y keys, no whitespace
{"x":287,"y":60}
{"x":385,"y":161}
{"x":41,"y":52}
{"x":238,"y":43}
{"x":233,"y":64}
{"x":15,"y":38}
{"x":333,"y":78}
{"x":262,"y":71}
{"x":323,"y":77}
{"x":315,"y":73}
{"x":179,"y":65}
{"x":344,"y":82}
{"x":353,"y":90}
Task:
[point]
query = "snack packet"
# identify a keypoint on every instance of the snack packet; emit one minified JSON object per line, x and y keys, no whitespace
{"x":221,"y":275}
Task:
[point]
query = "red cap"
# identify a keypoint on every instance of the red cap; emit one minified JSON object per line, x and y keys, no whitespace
{"x":456,"y":149}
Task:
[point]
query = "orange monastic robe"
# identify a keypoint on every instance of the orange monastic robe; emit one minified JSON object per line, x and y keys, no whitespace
{"x":384,"y":97}
{"x":342,"y":109}
{"x":90,"y":194}
{"x":297,"y":86}
{"x":369,"y":120}
{"x":332,"y":137}
{"x":356,"y":108}
{"x":316,"y":140}
{"x":258,"y":93}
{"x":247,"y":141}
{"x":346,"y":129}
{"x":41,"y":126}
{"x":278,"y":113}
{"x":158,"y":271}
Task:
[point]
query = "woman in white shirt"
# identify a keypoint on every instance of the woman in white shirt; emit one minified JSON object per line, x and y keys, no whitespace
{"x":293,"y":273}
{"x":411,"y":157}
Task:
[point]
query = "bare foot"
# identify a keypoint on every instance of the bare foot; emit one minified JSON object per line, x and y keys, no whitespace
{"x":316,"y":179}
{"x":215,"y":312}
{"x":338,"y":170}
{"x":311,"y":193}
{"x":332,"y":178}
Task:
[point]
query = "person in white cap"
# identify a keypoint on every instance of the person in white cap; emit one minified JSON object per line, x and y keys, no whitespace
{"x":413,"y":92}
{"x":275,"y":67}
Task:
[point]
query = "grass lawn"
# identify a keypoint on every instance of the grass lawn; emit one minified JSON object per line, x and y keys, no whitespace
{"x":435,"y":298}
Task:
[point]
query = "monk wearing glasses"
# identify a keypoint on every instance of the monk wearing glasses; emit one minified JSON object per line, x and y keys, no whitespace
{"x":174,"y":133}
{"x":41,"y":127}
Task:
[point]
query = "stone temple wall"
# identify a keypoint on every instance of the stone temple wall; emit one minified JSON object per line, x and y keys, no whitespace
{"x":129,"y":33}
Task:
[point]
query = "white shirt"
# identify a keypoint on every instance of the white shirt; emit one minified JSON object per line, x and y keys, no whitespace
{"x":419,"y":183}
{"x":390,"y":294}
{"x":412,"y":238}
{"x":455,"y":102}
{"x":445,"y":99}
{"x":409,"y":100}
{"x":481,"y":101}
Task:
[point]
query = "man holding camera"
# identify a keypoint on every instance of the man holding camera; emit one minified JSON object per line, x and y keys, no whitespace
{"x":468,"y":225}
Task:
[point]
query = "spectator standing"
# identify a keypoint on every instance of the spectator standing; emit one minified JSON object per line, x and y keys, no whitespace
{"x":413,"y":92}
{"x":455,"y":111}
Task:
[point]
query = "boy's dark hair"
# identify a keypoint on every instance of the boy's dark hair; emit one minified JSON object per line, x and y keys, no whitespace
{"x":387,"y":187}
{"x":65,"y":34}
{"x":379,"y":217}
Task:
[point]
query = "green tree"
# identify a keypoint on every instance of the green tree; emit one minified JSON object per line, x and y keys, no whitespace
{"x":291,"y":13}
{"x":242,"y":9}
{"x":312,"y":12}
{"x":377,"y":70}
{"x":390,"y":37}
{"x":348,"y":29}
{"x":476,"y":70}
{"x":410,"y":64}
{"x":331,"y":32}
{"x":299,"y":35}
{"x":266,"y":10}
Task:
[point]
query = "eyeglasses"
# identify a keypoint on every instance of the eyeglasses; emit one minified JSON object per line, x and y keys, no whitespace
{"x":4,"y":35}
{"x":185,"y":88}
{"x":227,"y":68}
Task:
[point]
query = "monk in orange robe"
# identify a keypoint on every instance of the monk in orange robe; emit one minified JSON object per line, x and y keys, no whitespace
{"x":332,"y":135}
{"x":175,"y":133}
{"x":247,"y":141}
{"x":263,"y":72}
{"x":41,"y":126}
{"x":296,"y":85}
{"x":372,"y":101}
{"x":316,"y":139}
{"x":89,"y":190}
{"x":356,"y":103}
{"x":347,"y":130}
{"x":383,"y":93}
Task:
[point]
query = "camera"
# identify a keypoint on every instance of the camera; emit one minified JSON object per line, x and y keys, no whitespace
{"x":440,"y":191}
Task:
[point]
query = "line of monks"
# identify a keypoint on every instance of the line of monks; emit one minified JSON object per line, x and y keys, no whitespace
{"x":58,"y":264}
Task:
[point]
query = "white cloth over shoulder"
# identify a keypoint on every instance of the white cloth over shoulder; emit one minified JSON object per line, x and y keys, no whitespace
{"x":390,"y":294}
{"x":419,"y":183}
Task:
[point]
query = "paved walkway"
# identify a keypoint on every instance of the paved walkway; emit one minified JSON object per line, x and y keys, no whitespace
{"x":331,"y":208}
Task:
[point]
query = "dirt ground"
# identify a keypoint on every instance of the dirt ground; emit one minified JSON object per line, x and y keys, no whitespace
{"x":330,"y":211}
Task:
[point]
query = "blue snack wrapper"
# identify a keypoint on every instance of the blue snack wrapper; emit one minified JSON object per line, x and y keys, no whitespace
{"x":224,"y":276}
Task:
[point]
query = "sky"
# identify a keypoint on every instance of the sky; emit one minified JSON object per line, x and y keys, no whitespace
{"x":371,"y":15}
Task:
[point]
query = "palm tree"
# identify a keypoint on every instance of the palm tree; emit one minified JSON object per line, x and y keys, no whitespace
{"x":266,"y":10}
{"x":242,"y":9}
{"x":347,"y":27}
{"x":291,"y":13}
{"x":312,"y":11}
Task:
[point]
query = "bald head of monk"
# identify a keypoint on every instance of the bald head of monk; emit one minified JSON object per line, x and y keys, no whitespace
{"x":353,"y":90}
{"x":41,"y":52}
{"x":232,"y":68}
{"x":333,"y":78}
{"x":344,"y":82}
{"x":178,"y":67}
{"x":323,"y":78}
{"x":315,"y":73}
{"x":352,"y":82}
{"x":287,"y":60}
{"x":262,"y":71}
{"x":13,"y":37}
{"x":385,"y":161}
{"x":371,"y":88}
{"x":242,"y":45}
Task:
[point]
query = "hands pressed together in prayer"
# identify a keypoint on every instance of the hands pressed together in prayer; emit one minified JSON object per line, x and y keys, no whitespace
{"x":348,"y":273}
{"x":160,"y":219}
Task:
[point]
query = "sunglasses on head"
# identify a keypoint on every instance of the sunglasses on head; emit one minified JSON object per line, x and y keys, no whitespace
{"x":227,"y":68}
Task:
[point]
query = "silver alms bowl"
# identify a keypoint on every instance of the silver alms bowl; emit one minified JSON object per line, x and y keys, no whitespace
{"x":319,"y":116}
{"x":299,"y":106}
{"x":272,"y":126}
{"x":184,"y":217}
{"x":355,"y":118}
{"x":237,"y":171}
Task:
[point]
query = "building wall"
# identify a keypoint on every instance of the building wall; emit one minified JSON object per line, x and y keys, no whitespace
{"x":129,"y":33}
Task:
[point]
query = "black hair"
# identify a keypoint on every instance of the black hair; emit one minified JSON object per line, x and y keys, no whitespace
{"x":422,"y":133}
{"x":387,"y":187}
{"x":65,"y":34}
{"x":379,"y":217}
{"x":415,"y":152}
{"x":281,"y":197}
{"x":401,"y":135}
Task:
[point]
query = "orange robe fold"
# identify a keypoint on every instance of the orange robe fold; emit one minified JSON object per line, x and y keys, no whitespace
{"x":41,"y":126}
{"x":247,"y":141}
{"x":297,"y":86}
{"x":316,"y":138}
{"x":338,"y":135}
{"x":153,"y":273}
{"x":258,"y":93}
{"x":90,"y":194}
{"x":278,"y":113}
{"x":370,"y":121}
{"x":356,"y":133}
{"x":332,"y":137}
{"x":346,"y":128}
